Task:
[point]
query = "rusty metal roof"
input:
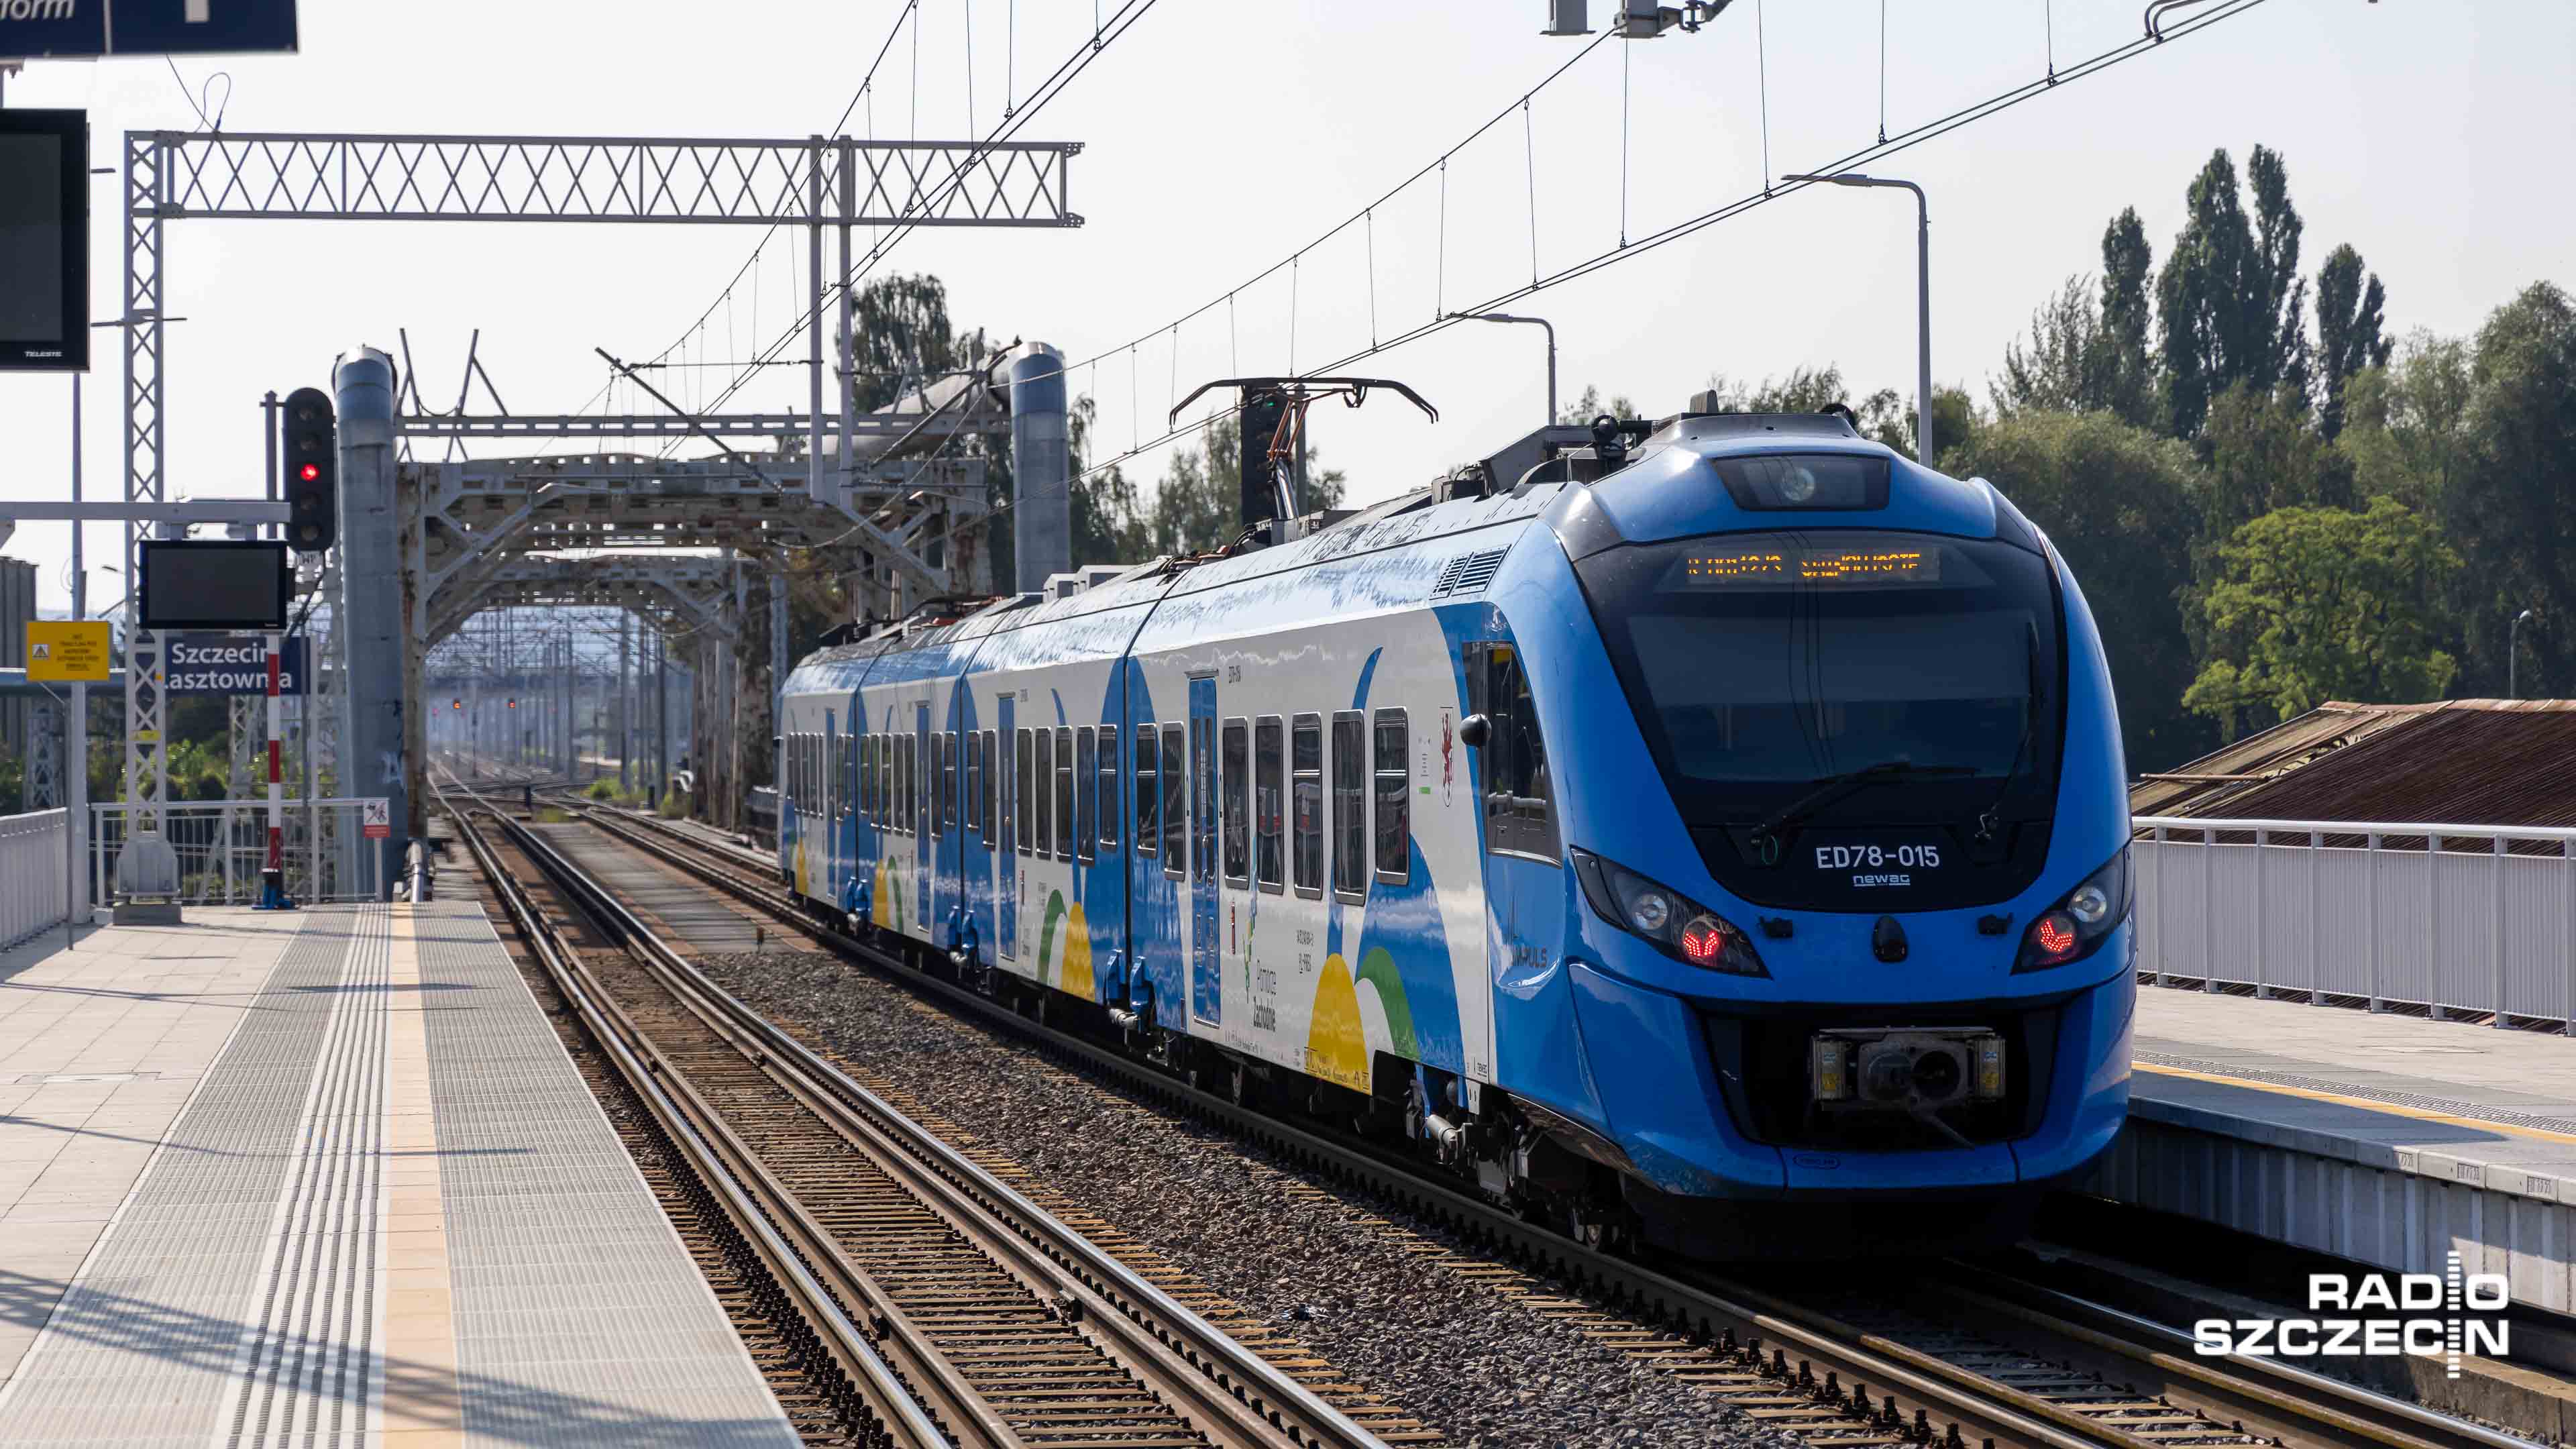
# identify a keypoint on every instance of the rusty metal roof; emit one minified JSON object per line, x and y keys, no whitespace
{"x":2457,"y":761}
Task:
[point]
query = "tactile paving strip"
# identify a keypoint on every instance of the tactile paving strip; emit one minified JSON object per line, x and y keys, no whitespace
{"x":2447,"y":1106}
{"x":194,"y":1285}
{"x":580,"y":1317}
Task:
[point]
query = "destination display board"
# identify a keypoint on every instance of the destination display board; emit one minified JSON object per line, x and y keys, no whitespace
{"x":44,"y":239}
{"x":215,"y":584}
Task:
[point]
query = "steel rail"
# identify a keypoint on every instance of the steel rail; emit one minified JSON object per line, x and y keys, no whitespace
{"x":942,"y":1390}
{"x":885,"y":1398}
{"x":2301,"y":1407}
{"x":2007,"y":1418}
{"x":1228,"y":1390}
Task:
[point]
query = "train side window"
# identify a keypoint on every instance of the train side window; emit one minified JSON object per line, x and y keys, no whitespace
{"x":884,"y":782}
{"x":1046,"y":794}
{"x":848,"y":772}
{"x":1176,"y":802}
{"x":1086,"y":770}
{"x":992,"y":786}
{"x":1149,"y":819}
{"x":974,"y":783}
{"x":948,"y":783}
{"x":1064,"y":831}
{"x":1236,"y":774}
{"x":912,"y":784}
{"x":1110,"y":803}
{"x":902,"y":778}
{"x":1024,"y":795}
{"x":1269,"y":805}
{"x":1394,"y":807}
{"x":1520,"y":805}
{"x":1306,"y":803}
{"x":1350,"y":806}
{"x":868,"y":778}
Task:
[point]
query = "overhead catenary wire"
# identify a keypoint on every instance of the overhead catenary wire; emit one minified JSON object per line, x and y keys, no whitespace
{"x":1120,"y":21}
{"x":1904,"y":140}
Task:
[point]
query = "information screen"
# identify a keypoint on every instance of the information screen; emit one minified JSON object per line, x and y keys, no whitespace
{"x":44,"y":241}
{"x":216,"y":585}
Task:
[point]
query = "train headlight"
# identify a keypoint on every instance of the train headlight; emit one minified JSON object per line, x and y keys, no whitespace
{"x":1665,"y":918}
{"x":2069,"y":930}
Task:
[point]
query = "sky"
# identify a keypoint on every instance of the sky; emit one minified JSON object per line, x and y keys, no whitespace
{"x":1219,"y":139}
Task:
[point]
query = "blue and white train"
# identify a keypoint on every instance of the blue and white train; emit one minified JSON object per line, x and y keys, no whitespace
{"x":1713,"y":819}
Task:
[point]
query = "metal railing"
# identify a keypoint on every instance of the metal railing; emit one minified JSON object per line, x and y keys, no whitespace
{"x":2445,"y":919}
{"x":223,"y":844}
{"x":33,"y":860}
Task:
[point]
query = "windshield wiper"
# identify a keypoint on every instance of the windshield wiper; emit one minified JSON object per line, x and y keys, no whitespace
{"x":1990,"y":820}
{"x":1834,"y":787}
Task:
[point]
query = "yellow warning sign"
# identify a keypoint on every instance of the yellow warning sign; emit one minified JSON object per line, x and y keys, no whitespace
{"x":62,"y":651}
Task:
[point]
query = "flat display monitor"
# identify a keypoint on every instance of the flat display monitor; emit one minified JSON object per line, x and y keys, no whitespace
{"x":216,"y":584}
{"x":44,"y":241}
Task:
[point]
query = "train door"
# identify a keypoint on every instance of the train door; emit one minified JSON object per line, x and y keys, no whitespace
{"x":1006,"y":896}
{"x":1206,"y":971}
{"x":924,"y":775}
{"x":1525,"y":885}
{"x":827,"y":880}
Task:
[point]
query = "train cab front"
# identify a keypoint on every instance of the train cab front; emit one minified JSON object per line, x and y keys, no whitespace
{"x":1848,"y":893}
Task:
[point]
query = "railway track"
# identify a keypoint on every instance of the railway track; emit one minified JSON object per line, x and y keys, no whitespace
{"x":952,"y":1309}
{"x":1958,"y":1354}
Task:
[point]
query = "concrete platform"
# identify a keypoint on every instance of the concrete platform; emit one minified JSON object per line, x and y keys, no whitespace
{"x":330,"y":1176}
{"x":2388,"y":1139}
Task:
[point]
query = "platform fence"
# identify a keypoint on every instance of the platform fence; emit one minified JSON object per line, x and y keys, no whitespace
{"x":2444,"y":920}
{"x":33,"y":863}
{"x":222,"y":845}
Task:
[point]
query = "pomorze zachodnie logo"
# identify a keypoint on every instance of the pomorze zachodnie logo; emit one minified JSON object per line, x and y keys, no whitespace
{"x":2447,"y":1327}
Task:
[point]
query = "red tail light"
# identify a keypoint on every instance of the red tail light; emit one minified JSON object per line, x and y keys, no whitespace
{"x":1703,"y":941}
{"x":2054,"y":933}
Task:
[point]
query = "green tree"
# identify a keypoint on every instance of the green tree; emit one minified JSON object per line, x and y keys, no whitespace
{"x":1109,"y":526}
{"x":2406,"y":424}
{"x":2510,"y":514}
{"x":2128,"y":320}
{"x":2067,"y":365}
{"x":2315,"y":604}
{"x":1584,"y":409}
{"x":2107,"y":495}
{"x":2230,"y":296}
{"x":2350,"y":314}
{"x":2262,"y":455}
{"x":901,"y":336}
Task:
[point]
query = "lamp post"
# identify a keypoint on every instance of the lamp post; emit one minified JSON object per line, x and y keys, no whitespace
{"x":2513,"y":653}
{"x":1535,"y":322}
{"x":1923,"y":302}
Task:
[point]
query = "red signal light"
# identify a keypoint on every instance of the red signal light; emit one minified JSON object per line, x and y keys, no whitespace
{"x":456,"y":704}
{"x":514,"y":704}
{"x":309,"y":472}
{"x":2055,"y":934}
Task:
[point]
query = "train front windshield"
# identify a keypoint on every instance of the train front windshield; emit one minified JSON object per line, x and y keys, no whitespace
{"x":1762,"y":664}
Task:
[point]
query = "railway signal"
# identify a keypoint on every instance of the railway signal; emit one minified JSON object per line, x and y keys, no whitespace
{"x":312,"y":471}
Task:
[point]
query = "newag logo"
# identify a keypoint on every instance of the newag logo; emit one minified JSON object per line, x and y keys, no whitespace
{"x":2431,"y":1314}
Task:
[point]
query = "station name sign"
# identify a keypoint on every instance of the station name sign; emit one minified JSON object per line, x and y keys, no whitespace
{"x":74,"y":29}
{"x":199,"y":664}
